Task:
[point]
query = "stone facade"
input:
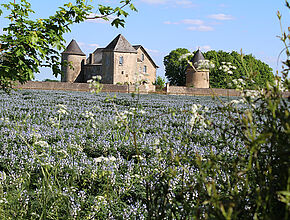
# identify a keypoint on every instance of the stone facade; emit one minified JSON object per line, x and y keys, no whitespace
{"x":118,"y":63}
{"x":197,"y":79}
{"x":75,"y":59}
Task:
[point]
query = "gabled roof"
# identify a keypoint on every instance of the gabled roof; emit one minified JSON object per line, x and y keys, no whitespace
{"x":142,"y":48}
{"x":120,"y":44}
{"x":197,"y":57}
{"x":136,"y":47}
{"x":73,"y":48}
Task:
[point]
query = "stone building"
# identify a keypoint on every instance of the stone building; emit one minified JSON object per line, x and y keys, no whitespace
{"x":119,"y":62}
{"x":197,"y":78}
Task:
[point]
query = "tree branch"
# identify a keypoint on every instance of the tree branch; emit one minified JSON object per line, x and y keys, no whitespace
{"x":111,"y":13}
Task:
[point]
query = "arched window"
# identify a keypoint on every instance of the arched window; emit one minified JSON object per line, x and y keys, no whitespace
{"x":142,"y":57}
{"x":145,"y":69}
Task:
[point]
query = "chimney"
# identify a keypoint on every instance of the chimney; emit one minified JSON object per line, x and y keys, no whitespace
{"x":91,"y":58}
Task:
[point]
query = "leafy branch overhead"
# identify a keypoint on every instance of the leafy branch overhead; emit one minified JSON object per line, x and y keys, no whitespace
{"x":28,"y":44}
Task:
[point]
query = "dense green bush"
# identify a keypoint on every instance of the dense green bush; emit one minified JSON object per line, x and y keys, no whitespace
{"x":245,"y":64}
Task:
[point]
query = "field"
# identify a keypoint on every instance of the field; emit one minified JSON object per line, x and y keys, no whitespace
{"x":76,"y":155}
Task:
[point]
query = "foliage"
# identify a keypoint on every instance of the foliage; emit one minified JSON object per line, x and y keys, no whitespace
{"x":27,"y":44}
{"x":175,"y":67}
{"x":245,"y":64}
{"x":159,"y":82}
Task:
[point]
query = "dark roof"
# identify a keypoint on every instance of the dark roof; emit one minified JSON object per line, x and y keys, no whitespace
{"x":197,"y":57}
{"x":147,"y":54}
{"x":120,"y":44}
{"x":137,"y":46}
{"x":73,"y":48}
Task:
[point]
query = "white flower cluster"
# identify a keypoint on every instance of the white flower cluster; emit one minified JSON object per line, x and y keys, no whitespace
{"x":227,"y":67}
{"x":184,"y":56}
{"x":42,"y":144}
{"x":54,"y":122}
{"x":5,"y":120}
{"x":197,"y":117}
{"x":251,"y":93}
{"x":139,"y":79}
{"x":204,"y":65}
{"x":236,"y":102}
{"x":123,"y":117}
{"x":91,"y":117}
{"x":88,"y":115}
{"x":238,"y":83}
{"x":280,"y":86}
{"x":105,"y":159}
{"x":62,"y":109}
{"x":95,"y":85}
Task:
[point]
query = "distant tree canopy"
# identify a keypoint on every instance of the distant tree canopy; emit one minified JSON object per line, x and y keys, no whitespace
{"x":245,"y":65}
{"x":175,"y":67}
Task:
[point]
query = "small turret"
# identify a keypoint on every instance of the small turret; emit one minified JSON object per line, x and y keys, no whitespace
{"x":198,"y":56}
{"x":75,"y":57}
{"x":195,"y":77}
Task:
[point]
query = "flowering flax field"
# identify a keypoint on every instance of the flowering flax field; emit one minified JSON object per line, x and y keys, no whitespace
{"x":76,"y":155}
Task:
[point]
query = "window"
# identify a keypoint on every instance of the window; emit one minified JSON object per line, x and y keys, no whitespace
{"x":108,"y":61}
{"x":145,"y":69}
{"x":122,"y":72}
{"x":121,"y":60}
{"x":142,"y":57}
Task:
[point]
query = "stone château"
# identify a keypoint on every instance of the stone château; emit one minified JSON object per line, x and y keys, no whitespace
{"x":118,"y":63}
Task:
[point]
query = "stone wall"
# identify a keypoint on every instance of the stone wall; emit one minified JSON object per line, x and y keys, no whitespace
{"x":169,"y":90}
{"x":84,"y":87}
{"x":180,"y":90}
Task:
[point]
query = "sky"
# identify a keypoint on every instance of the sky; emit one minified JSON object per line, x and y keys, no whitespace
{"x":161,"y":26}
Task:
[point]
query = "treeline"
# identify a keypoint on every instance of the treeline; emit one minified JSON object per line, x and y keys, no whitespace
{"x":228,"y":68}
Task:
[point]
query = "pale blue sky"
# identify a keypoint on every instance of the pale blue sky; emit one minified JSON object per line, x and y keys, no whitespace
{"x":164,"y":25}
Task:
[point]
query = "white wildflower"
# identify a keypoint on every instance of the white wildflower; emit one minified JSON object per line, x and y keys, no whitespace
{"x":42,"y":143}
{"x":156,"y":141}
{"x":142,"y":112}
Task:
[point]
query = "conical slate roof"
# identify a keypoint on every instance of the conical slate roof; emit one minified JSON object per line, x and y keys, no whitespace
{"x":120,"y":44}
{"x":73,"y":48}
{"x":197,"y":57}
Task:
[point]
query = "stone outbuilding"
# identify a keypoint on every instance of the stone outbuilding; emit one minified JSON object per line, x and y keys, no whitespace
{"x":196,"y":77}
{"x":119,"y":62}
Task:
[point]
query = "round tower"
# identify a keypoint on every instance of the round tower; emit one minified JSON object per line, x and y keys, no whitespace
{"x":194,"y":77}
{"x":74,"y":57}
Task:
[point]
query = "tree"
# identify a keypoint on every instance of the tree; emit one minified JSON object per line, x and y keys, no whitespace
{"x":175,"y":66}
{"x":160,"y":82}
{"x":244,"y":66}
{"x":28,"y":44}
